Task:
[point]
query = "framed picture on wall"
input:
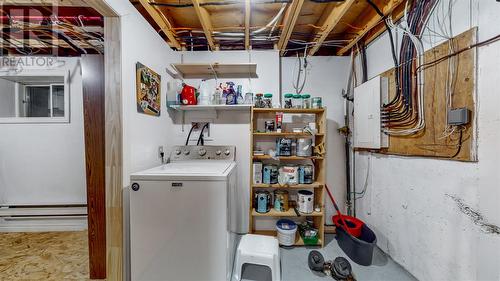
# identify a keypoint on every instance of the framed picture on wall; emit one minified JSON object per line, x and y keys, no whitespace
{"x":148,"y":85}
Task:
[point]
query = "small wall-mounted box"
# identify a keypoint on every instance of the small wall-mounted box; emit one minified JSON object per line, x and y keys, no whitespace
{"x":459,"y":116}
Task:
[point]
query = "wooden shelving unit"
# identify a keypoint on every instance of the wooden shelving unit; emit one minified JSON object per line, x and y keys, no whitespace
{"x":289,"y":213}
{"x":319,"y":163}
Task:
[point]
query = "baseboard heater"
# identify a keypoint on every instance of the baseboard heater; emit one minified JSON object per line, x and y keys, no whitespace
{"x":43,"y":218}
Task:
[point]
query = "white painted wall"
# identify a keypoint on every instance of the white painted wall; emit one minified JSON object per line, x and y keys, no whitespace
{"x":7,"y":98}
{"x":407,"y":203}
{"x":44,"y":163}
{"x":326,"y":76}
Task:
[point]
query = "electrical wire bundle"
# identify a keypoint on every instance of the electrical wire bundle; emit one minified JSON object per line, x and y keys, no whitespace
{"x":404,"y":114}
{"x":50,"y":33}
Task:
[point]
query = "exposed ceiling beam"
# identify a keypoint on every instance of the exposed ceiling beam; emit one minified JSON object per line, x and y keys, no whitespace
{"x":204,"y":18}
{"x":291,"y":16}
{"x":375,"y":32}
{"x":162,"y":22}
{"x":102,"y":8}
{"x":69,"y":3}
{"x":247,"y":24}
{"x":373,"y":22}
{"x":331,"y":22}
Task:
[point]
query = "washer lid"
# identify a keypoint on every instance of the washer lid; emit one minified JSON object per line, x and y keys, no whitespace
{"x":185,"y":170}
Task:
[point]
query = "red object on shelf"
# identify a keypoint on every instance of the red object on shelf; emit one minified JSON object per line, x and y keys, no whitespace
{"x":188,"y":95}
{"x":351,"y":224}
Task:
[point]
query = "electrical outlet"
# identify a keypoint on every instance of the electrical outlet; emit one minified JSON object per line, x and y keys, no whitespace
{"x":198,"y":126}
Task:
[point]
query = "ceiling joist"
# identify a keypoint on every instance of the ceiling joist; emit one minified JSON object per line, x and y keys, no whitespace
{"x":204,"y":18}
{"x":247,"y":24}
{"x":291,"y":16}
{"x":162,"y":22}
{"x":331,"y":22}
{"x":373,"y":22}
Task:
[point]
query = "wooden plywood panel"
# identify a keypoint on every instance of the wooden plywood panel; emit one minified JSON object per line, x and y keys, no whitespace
{"x":432,"y":141}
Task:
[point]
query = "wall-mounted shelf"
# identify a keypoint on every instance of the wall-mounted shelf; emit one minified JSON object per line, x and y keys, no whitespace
{"x":215,"y":70}
{"x":211,"y":107}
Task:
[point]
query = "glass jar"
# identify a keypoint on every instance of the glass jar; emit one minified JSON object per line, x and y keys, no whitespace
{"x":288,"y":101}
{"x":317,"y":102}
{"x":248,"y":98}
{"x":297,"y":101}
{"x":268,"y":100}
{"x":306,"y":101}
{"x":259,"y":101}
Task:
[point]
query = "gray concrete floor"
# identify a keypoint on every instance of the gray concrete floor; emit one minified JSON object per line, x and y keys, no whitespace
{"x":294,"y":266}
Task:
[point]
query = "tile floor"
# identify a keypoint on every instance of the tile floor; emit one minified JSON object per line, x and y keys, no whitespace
{"x":294,"y":266}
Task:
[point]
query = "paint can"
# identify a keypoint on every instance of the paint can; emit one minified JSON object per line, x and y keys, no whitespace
{"x":306,"y":201}
{"x":281,"y":200}
{"x":289,"y":174}
{"x":284,"y":146}
{"x":317,"y":102}
{"x":306,"y":174}
{"x":286,"y":230}
{"x":270,"y":174}
{"x":262,"y":202}
{"x":269,"y":126}
{"x":304,"y":147}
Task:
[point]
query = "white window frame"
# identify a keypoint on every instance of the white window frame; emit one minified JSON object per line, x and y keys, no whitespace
{"x":44,"y":120}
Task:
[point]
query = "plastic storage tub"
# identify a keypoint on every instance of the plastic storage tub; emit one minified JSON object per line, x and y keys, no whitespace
{"x":287,"y":230}
{"x":359,"y":250}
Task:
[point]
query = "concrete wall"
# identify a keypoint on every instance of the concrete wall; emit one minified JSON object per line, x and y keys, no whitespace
{"x":409,"y":199}
{"x":48,"y":169}
{"x":326,"y":76}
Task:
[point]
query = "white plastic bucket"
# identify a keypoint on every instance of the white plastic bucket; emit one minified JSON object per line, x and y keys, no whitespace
{"x":286,"y":232}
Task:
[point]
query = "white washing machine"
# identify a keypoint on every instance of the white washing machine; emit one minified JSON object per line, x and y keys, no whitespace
{"x":184,"y":216}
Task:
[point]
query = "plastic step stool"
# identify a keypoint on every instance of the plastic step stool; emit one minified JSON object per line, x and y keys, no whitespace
{"x":260,"y":250}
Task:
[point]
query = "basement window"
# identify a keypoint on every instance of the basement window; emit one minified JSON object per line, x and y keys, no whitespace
{"x":34,"y":99}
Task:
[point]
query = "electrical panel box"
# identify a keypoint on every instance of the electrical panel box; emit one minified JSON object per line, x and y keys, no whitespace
{"x":368,"y":98}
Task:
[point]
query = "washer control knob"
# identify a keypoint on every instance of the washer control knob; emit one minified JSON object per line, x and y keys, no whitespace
{"x":178,"y":152}
{"x":202,"y":151}
{"x":227,"y":152}
{"x":186,"y":152}
{"x":218,"y":152}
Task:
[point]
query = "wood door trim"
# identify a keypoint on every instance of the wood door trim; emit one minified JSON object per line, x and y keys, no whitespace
{"x":94,"y":128}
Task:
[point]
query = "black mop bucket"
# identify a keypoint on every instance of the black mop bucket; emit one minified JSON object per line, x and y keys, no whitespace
{"x":359,"y":250}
